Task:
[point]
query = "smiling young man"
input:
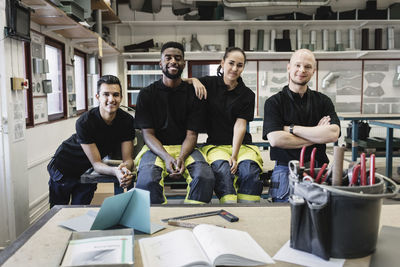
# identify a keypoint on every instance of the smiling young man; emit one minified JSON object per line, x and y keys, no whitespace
{"x":295,"y":117}
{"x":170,"y":116}
{"x":101,"y":131}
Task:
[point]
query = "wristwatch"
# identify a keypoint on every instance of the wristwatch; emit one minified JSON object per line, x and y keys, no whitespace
{"x":291,"y":126}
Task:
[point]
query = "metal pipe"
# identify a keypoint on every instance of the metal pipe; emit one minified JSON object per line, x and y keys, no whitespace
{"x":328,"y":79}
{"x":99,"y":23}
{"x":258,"y":3}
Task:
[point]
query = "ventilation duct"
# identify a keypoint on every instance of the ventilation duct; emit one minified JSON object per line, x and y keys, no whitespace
{"x":149,"y":6}
{"x":261,"y":3}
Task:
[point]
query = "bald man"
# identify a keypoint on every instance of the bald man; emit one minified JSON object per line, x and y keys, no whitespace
{"x":295,"y":117}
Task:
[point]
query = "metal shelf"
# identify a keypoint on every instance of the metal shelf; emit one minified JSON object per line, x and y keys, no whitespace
{"x":108,"y":15}
{"x":51,"y":18}
{"x":260,"y":55}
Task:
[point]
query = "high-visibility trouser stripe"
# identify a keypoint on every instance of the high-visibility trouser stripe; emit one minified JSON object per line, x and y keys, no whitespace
{"x":228,"y":199}
{"x":147,"y":161}
{"x":190,"y":201}
{"x":224,"y":152}
{"x":196,"y":157}
{"x":243,"y":198}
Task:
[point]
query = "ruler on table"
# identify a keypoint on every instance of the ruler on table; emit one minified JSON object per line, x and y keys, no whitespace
{"x":223,"y":213}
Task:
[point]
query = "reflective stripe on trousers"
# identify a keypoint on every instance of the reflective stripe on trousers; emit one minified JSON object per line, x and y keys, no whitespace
{"x":152,"y":171}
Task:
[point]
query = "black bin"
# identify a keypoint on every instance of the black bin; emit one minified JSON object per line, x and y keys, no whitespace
{"x":336,"y":221}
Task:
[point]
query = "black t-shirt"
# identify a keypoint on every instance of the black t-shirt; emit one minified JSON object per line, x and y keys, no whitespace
{"x":169,"y":111}
{"x":224,"y":107}
{"x":285,"y":108}
{"x":70,"y":159}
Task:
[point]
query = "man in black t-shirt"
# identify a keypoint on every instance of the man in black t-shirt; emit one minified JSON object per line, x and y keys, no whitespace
{"x":101,"y":131}
{"x":295,"y":117}
{"x":170,"y":116}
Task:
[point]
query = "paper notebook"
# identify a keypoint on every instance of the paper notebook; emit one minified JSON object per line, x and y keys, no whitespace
{"x":206,"y":245}
{"x":130,"y":209}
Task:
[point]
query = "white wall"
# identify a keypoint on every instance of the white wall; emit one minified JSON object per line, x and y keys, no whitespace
{"x":5,"y":231}
{"x":13,"y":181}
{"x":40,"y":148}
{"x":23,"y":160}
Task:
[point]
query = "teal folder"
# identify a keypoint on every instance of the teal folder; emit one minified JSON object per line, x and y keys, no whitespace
{"x":130,"y":209}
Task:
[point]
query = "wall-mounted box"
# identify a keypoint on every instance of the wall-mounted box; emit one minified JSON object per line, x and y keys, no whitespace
{"x":47,"y":87}
{"x":37,"y":65}
{"x":19,"y":83}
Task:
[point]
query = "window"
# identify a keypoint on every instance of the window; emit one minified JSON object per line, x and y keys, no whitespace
{"x":203,"y":68}
{"x":80,"y":81}
{"x":93,"y":76}
{"x":28,"y":93}
{"x":54,"y":52}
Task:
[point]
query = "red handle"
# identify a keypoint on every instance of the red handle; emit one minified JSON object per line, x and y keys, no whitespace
{"x":354,"y":176}
{"x":312,"y":162}
{"x":372,"y":169}
{"x":325,"y":177}
{"x":363,"y":179}
{"x":321,"y":171}
{"x":302,"y":153}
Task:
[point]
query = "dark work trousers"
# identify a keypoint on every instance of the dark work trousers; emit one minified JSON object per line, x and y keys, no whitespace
{"x":248,"y":178}
{"x":66,"y":189}
{"x":198,"y":175}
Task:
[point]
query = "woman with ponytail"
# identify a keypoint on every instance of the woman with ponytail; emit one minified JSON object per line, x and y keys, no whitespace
{"x":230,"y":106}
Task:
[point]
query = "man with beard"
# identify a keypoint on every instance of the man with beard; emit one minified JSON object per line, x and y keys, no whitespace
{"x":170,"y":116}
{"x":295,"y":117}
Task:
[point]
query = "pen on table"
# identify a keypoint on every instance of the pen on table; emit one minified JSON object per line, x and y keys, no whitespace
{"x":186,"y":224}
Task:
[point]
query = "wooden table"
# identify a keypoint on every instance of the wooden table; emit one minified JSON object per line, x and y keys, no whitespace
{"x":390,"y":125}
{"x":355,"y":118}
{"x":44,"y":243}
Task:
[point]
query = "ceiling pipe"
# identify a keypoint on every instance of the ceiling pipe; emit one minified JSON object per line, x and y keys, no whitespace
{"x":261,"y":3}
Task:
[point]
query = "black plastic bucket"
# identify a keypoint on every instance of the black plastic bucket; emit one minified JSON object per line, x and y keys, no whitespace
{"x":336,"y":221}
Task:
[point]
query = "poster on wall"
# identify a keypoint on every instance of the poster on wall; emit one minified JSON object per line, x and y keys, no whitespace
{"x":70,"y":81}
{"x":39,"y":63}
{"x":18,"y":121}
{"x":39,"y":109}
{"x":69,"y":73}
{"x":249,"y":77}
{"x":381,"y":94}
{"x":341,"y":81}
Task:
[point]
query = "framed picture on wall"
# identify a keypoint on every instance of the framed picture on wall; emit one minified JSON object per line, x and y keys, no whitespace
{"x":39,"y":109}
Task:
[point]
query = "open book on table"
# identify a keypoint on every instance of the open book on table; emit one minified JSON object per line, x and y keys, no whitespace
{"x":206,"y":245}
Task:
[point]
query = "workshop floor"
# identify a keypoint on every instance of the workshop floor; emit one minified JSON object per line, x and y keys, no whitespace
{"x":105,"y":190}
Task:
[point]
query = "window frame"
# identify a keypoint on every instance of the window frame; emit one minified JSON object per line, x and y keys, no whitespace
{"x":59,"y":45}
{"x":28,"y":74}
{"x":84,"y":56}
